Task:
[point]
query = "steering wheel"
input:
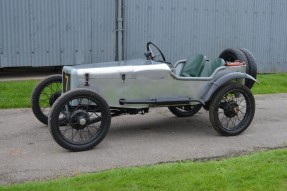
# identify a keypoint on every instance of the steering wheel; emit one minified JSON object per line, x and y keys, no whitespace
{"x":149,"y":47}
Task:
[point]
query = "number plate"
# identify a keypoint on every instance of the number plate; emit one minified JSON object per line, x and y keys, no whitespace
{"x":66,"y":82}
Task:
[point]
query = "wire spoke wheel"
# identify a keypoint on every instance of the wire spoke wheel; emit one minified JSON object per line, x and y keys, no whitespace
{"x":44,"y":95}
{"x":79,"y":128}
{"x":49,"y":95}
{"x":232,"y":109}
{"x":87,"y":120}
{"x":185,"y":110}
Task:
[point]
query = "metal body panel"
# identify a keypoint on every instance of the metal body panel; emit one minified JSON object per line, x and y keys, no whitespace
{"x":224,"y":79}
{"x":144,"y":80}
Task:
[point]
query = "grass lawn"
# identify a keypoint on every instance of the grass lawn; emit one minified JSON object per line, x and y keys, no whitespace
{"x":259,"y":171}
{"x":270,"y":84}
{"x":17,"y":94}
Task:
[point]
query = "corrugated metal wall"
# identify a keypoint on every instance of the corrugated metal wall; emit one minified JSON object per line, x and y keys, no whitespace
{"x":65,"y":32}
{"x":185,"y":27}
{"x":15,"y":43}
{"x":56,"y":32}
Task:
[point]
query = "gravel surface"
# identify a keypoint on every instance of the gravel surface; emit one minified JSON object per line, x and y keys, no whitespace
{"x":28,"y":152}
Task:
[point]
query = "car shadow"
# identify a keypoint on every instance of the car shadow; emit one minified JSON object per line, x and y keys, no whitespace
{"x":198,"y":124}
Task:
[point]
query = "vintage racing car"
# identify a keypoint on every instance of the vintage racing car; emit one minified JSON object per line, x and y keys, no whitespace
{"x":78,"y":105}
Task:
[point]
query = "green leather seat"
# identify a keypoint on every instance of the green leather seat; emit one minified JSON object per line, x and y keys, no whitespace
{"x":193,"y":66}
{"x":211,"y":66}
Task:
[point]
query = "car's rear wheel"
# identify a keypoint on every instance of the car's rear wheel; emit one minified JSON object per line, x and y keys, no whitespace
{"x":87,"y":117}
{"x":232,"y":109}
{"x":44,"y":95}
{"x":185,"y":110}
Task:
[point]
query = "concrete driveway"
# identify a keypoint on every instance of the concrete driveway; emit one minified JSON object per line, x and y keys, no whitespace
{"x":27,"y":150}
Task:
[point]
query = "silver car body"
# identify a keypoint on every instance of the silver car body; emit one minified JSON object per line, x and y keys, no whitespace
{"x":145,"y":80}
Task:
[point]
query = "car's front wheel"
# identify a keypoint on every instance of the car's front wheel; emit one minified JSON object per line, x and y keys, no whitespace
{"x":87,"y":120}
{"x":232,"y":109}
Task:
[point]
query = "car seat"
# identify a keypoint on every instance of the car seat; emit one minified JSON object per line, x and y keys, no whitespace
{"x":193,"y":66}
{"x":211,"y":66}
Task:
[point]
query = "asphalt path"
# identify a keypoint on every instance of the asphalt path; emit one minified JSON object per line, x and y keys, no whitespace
{"x":28,"y":152}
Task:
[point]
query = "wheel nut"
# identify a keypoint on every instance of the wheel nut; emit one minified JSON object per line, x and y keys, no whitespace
{"x":236,"y":110}
{"x":82,"y":121}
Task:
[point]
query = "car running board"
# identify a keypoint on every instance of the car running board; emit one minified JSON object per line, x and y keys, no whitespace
{"x":158,"y":101}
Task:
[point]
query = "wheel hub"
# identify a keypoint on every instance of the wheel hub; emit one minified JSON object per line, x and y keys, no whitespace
{"x":53,"y":98}
{"x":79,"y":119}
{"x":231,"y":109}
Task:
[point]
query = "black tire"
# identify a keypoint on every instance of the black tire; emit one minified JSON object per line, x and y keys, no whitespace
{"x":44,"y":95}
{"x":76,"y":105}
{"x":232,"y":105}
{"x":252,"y":67}
{"x":185,"y":111}
{"x":233,"y":54}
